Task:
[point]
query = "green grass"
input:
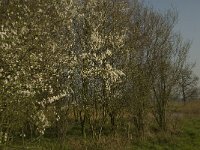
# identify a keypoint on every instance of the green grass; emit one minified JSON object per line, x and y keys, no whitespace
{"x":187,"y":139}
{"x":190,"y":138}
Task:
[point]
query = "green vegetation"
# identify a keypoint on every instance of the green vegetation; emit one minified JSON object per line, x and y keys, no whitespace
{"x":92,"y":74}
{"x":187,"y":138}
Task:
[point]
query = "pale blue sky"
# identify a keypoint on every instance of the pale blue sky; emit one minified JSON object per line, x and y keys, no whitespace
{"x":188,"y":23}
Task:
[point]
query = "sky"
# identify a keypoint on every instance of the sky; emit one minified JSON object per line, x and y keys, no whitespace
{"x":188,"y":23}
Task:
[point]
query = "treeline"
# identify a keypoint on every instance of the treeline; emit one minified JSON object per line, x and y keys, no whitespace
{"x":100,"y":65}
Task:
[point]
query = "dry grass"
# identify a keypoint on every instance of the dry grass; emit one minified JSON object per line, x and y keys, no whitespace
{"x":191,"y":108}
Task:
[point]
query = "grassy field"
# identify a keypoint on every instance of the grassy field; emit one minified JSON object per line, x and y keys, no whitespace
{"x":187,"y":137}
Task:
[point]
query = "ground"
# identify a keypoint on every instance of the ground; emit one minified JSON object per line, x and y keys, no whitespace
{"x":186,"y":137}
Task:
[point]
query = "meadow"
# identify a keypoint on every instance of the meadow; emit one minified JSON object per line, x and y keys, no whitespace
{"x":186,"y":136}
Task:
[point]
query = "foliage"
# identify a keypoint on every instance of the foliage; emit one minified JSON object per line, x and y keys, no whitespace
{"x":101,"y":66}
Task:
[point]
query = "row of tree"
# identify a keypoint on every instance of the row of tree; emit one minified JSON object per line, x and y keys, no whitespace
{"x":88,"y":61}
